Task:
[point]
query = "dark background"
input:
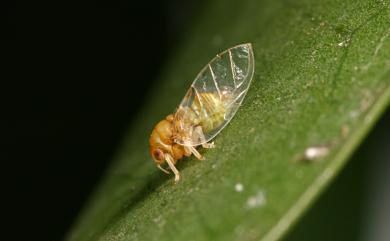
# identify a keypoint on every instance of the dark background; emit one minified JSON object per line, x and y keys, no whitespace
{"x":76,"y":74}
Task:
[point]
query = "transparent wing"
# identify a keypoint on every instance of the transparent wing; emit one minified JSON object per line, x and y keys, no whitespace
{"x":214,"y":96}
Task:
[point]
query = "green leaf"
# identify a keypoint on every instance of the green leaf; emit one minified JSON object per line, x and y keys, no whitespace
{"x":322,"y":78}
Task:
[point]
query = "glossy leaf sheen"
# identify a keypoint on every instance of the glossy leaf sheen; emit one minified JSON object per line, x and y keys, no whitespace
{"x":322,"y":78}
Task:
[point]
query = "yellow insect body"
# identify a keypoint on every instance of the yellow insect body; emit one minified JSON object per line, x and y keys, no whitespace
{"x":212,"y":105}
{"x":208,"y":113}
{"x":208,"y":106}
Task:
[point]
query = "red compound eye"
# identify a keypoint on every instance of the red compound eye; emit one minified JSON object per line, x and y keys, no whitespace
{"x":158,"y":154}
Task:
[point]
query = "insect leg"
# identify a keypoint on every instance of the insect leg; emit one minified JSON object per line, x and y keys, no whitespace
{"x":199,"y":133}
{"x":195,"y":152}
{"x":187,"y":151}
{"x":208,"y":145}
{"x":169,"y":159}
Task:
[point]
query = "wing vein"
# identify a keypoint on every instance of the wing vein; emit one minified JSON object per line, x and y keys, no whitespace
{"x":238,"y":97}
{"x":232,"y":69}
{"x":215,"y":82}
{"x":199,"y":97}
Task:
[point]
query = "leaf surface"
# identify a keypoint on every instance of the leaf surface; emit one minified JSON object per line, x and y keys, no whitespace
{"x":322,"y":78}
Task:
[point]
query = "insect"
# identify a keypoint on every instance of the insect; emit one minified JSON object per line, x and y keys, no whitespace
{"x":208,"y":106}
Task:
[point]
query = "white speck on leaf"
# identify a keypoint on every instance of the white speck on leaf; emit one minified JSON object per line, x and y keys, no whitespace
{"x":257,"y":200}
{"x":239,"y":187}
{"x":159,"y":221}
{"x":354,"y":114}
{"x":343,"y":43}
{"x":314,"y":152}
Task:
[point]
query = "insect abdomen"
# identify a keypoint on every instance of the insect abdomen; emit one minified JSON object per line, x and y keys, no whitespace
{"x":211,"y":110}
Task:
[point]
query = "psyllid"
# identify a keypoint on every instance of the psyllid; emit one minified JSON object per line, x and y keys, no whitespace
{"x":208,"y":106}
